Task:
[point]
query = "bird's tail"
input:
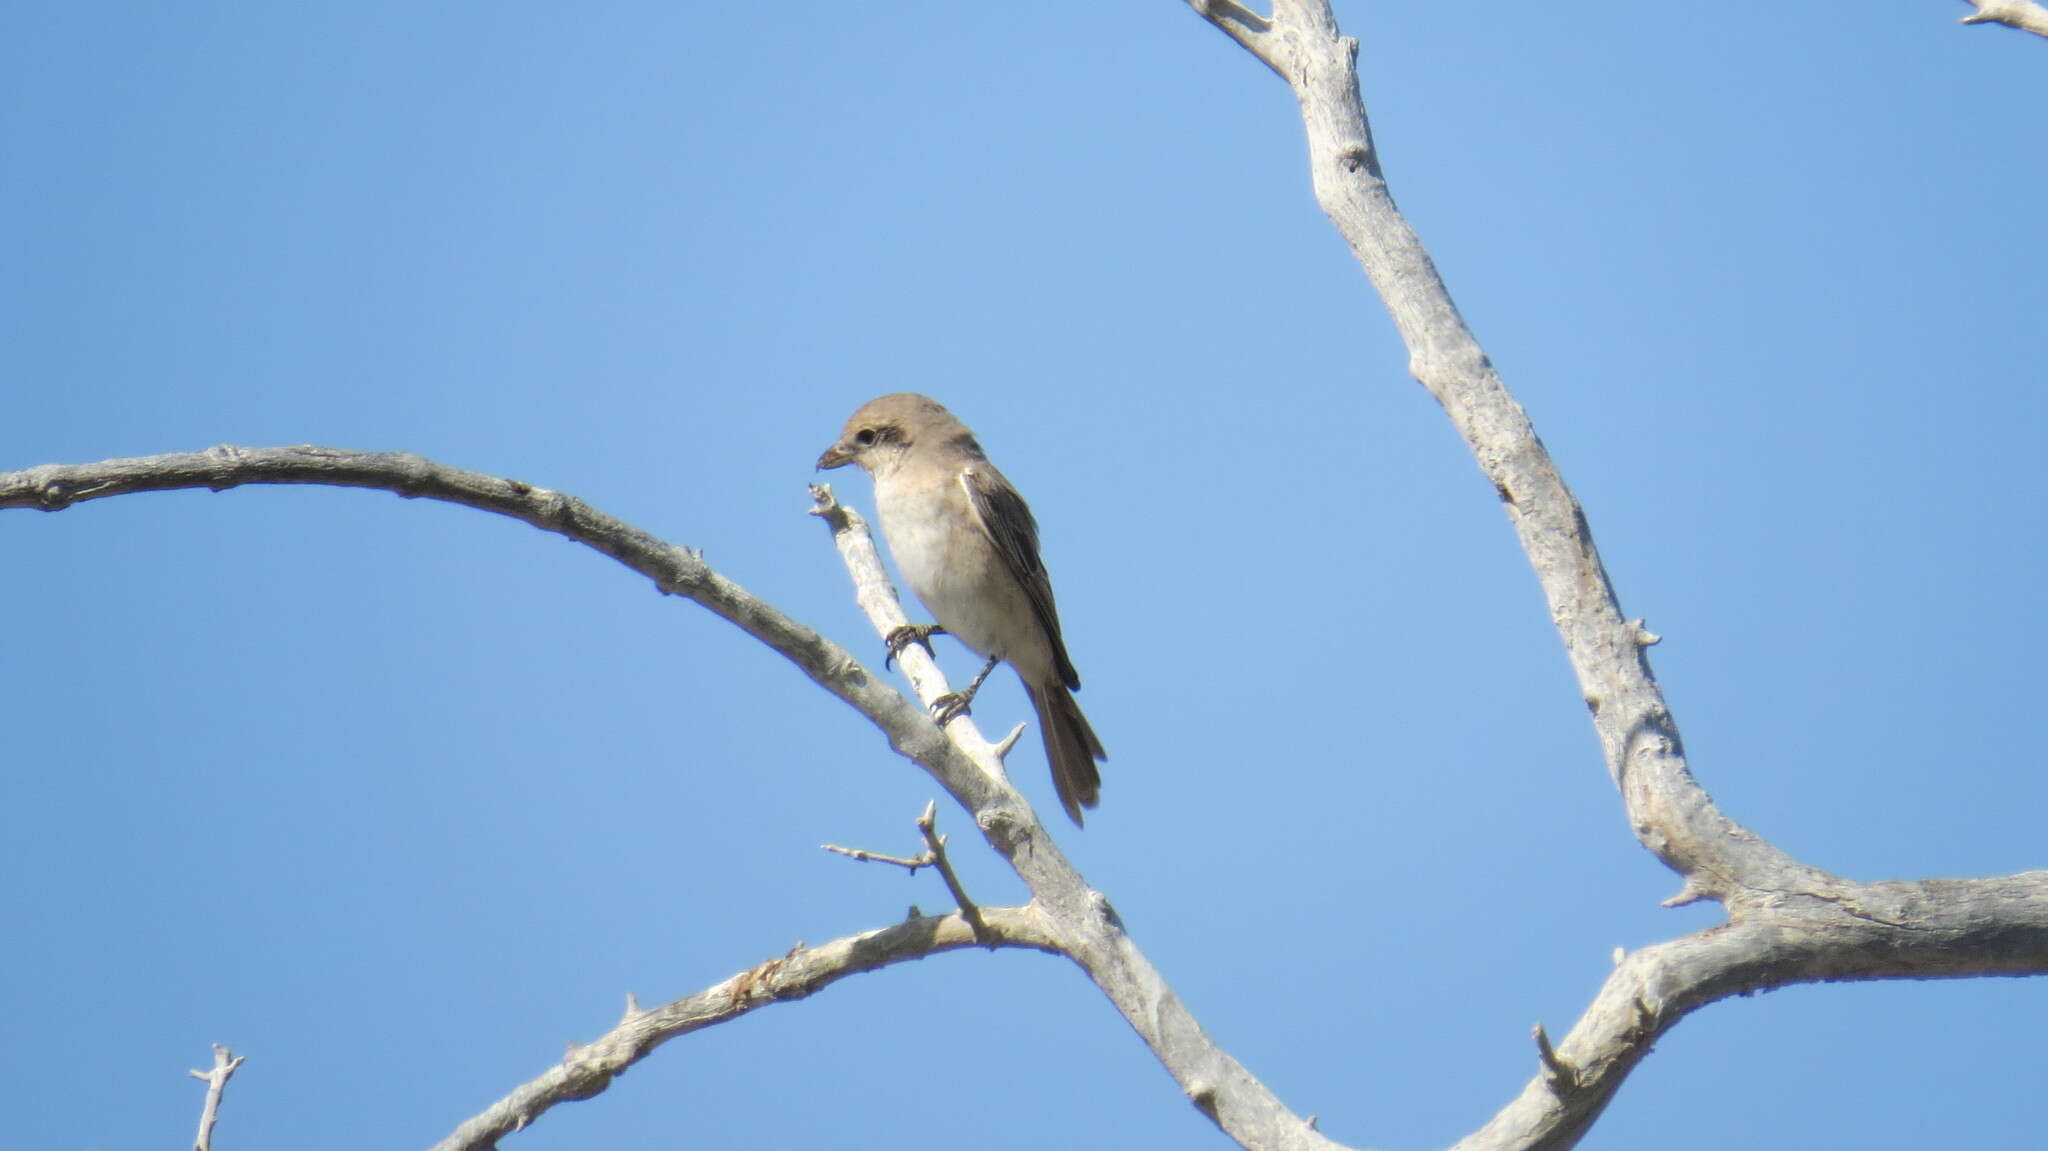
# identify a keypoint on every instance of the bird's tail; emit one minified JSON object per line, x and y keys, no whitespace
{"x":1070,"y":746}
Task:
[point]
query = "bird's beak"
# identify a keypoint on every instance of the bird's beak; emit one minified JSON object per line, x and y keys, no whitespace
{"x":835,"y":456}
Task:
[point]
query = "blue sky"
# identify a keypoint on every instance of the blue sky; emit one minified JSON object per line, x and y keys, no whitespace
{"x":398,"y":798}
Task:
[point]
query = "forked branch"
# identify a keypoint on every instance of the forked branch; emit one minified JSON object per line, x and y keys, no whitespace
{"x":1790,"y":922}
{"x":225,"y":1064}
{"x":1067,"y":916}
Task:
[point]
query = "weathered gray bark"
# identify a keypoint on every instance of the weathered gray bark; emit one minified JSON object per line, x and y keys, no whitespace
{"x":1064,"y":916}
{"x":225,"y":1064}
{"x":1789,"y":922}
{"x":2025,"y":15}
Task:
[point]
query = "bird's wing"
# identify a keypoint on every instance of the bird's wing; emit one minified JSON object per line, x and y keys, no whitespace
{"x":1006,"y":520}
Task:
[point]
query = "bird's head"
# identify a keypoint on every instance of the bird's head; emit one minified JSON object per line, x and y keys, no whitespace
{"x":884,"y":428}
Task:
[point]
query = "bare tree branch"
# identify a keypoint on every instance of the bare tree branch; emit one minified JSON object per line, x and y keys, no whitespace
{"x":225,"y":1063}
{"x":1789,"y":922}
{"x":1085,"y":924}
{"x":1671,"y":814}
{"x":1074,"y":920}
{"x":1823,"y":929}
{"x":909,"y":863}
{"x":2024,"y":15}
{"x":674,"y":570}
{"x":935,"y":846}
{"x":1826,"y":929}
{"x":1248,"y":28}
{"x":590,"y":1068}
{"x":934,"y":856}
{"x":1928,"y":930}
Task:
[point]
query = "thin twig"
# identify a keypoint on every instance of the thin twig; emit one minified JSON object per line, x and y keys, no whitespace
{"x":865,"y":856}
{"x":1070,"y":918}
{"x":934,"y":856}
{"x":589,"y":1068}
{"x":935,"y":848}
{"x":1561,"y":1073}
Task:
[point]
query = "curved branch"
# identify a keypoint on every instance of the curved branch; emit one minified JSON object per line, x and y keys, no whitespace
{"x":1931,"y":930}
{"x":590,"y":1068}
{"x":1073,"y":920}
{"x":1790,"y":922}
{"x":1671,"y":814}
{"x":674,"y":570}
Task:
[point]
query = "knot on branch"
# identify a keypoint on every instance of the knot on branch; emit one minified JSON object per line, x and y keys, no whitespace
{"x":555,"y":511}
{"x":687,"y":573}
{"x":1642,"y":1021}
{"x":226,"y":458}
{"x":758,"y":982}
{"x":582,"y":1081}
{"x":1001,"y":825}
{"x":1104,"y":910}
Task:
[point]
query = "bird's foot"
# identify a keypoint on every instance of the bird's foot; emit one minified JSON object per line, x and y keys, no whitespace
{"x":911,"y":633}
{"x":951,"y":706}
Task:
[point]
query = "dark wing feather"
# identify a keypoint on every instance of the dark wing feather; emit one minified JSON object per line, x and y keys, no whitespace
{"x":1007,"y":521}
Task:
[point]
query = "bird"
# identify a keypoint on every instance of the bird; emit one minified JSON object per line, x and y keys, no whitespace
{"x":968,"y":546}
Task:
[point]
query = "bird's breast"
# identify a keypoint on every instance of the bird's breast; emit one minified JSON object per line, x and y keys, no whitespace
{"x":951,"y":565}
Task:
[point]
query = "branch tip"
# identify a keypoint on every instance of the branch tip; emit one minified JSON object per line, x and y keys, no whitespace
{"x":861,"y":855}
{"x":935,"y":849}
{"x":1561,"y":1074}
{"x":1003,"y":746}
{"x":2022,"y":15}
{"x":1690,"y":893}
{"x":225,"y":1062}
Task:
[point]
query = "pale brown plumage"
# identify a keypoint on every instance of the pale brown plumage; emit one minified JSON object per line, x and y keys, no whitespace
{"x":968,"y":546}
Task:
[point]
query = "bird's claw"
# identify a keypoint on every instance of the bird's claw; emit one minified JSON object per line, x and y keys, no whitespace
{"x":911,"y":633}
{"x":949,"y":707}
{"x":953,"y":705}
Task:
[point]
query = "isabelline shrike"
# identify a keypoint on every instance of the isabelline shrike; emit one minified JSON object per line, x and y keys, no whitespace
{"x":965,"y":540}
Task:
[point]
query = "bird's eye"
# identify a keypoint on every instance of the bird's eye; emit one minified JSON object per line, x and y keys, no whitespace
{"x":865,"y":437}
